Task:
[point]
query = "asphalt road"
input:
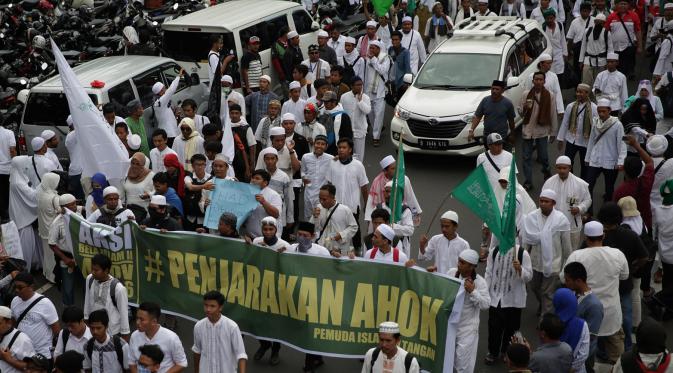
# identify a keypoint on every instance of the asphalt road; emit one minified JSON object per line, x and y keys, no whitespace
{"x":433,"y":177}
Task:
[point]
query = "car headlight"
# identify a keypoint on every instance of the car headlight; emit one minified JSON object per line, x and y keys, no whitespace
{"x":401,"y":113}
{"x":467,"y":118}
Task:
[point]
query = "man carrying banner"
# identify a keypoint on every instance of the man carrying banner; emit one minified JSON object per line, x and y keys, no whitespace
{"x":383,"y":250}
{"x":112,"y":213}
{"x":334,"y":221}
{"x":444,"y":248}
{"x":388,"y":356}
{"x":404,"y":227}
{"x":305,"y":244}
{"x":546,"y":235}
{"x":270,"y":204}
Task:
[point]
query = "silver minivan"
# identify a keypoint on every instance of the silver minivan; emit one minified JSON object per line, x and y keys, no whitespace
{"x":125,"y":78}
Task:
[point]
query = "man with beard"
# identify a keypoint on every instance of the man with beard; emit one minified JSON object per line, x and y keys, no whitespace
{"x":158,"y":216}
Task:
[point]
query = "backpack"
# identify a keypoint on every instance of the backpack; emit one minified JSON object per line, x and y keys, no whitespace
{"x":349,"y":71}
{"x":396,"y":255}
{"x":192,"y":199}
{"x":519,"y":254}
{"x":113,"y":286}
{"x":116,"y":341}
{"x":407,"y":359}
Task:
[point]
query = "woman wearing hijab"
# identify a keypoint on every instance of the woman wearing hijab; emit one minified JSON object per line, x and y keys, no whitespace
{"x":645,"y":92}
{"x":131,"y":40}
{"x":23,"y":211}
{"x":47,"y":210}
{"x":138,"y":186}
{"x":575,"y":331}
{"x":176,"y":174}
{"x":188,"y":144}
{"x":95,"y":199}
{"x":639,"y":120}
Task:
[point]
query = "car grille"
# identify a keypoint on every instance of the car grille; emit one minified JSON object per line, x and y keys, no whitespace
{"x":441,"y":130}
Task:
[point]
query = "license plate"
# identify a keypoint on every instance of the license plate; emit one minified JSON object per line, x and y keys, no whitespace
{"x":433,"y":144}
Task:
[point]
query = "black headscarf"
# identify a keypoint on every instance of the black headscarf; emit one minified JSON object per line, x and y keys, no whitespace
{"x":633,"y":117}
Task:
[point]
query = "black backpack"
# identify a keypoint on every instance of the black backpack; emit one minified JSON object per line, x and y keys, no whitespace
{"x":116,"y":341}
{"x":349,"y":71}
{"x":113,"y":286}
{"x":407,"y":359}
{"x":109,"y":219}
{"x":192,"y":199}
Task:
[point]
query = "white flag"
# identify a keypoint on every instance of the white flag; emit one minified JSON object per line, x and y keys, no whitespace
{"x":228,"y":141}
{"x":98,"y":146}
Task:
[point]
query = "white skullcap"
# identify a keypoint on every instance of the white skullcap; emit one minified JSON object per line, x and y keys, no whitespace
{"x":265,"y":77}
{"x":668,"y":6}
{"x":277,"y":131}
{"x":68,"y":120}
{"x":548,"y":193}
{"x":36,"y":143}
{"x":593,"y":229}
{"x":6,"y":313}
{"x":110,"y":190}
{"x":48,"y":134}
{"x":134,"y":142}
{"x":350,"y":40}
{"x":469,"y":256}
{"x":266,"y":151}
{"x":292,"y":34}
{"x":323,"y":34}
{"x":65,"y":199}
{"x":599,"y":17}
{"x":376,"y":43}
{"x":450,"y":215}
{"x":545,"y":57}
{"x":612,"y":56}
{"x":387,"y":161}
{"x":407,"y":19}
{"x":504,"y":174}
{"x":657,"y":144}
{"x":483,"y":2}
{"x":389,"y":327}
{"x":158,"y":200}
{"x":270,"y":220}
{"x":288,"y":117}
{"x":669,"y":25}
{"x":603,"y":102}
{"x":371,"y":24}
{"x":227,"y":79}
{"x":386,"y":231}
{"x":389,"y":184}
{"x":222,"y":157}
{"x":563,"y":160}
{"x":294,"y":85}
{"x":157,"y":87}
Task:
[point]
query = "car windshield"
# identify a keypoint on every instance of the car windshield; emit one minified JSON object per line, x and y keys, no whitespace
{"x":48,"y":109}
{"x":458,"y":71}
{"x":193,"y":46}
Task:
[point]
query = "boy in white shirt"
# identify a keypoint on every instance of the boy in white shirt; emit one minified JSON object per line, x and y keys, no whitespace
{"x":106,"y":292}
{"x":160,"y":141}
{"x":76,"y":334}
{"x":15,"y":345}
{"x":115,"y":350}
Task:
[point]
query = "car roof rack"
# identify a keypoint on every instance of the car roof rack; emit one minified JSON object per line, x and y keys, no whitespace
{"x":488,"y":26}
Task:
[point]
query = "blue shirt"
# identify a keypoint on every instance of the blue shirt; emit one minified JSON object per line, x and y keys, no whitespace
{"x":174,"y":200}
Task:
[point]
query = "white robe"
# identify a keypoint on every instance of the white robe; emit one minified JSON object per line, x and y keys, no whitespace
{"x":575,"y":190}
{"x":313,"y":170}
{"x":23,"y":209}
{"x":559,"y":48}
{"x":539,"y":230}
{"x":445,"y":252}
{"x":342,"y":222}
{"x":48,"y":209}
{"x":413,"y":41}
{"x":613,"y":87}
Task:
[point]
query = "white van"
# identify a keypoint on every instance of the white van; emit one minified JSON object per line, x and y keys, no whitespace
{"x":187,"y":39}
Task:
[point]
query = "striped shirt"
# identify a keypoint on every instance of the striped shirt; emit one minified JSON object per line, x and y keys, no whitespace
{"x":253,"y":63}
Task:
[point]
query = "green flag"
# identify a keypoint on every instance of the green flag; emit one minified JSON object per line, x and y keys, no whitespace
{"x":476,"y":193}
{"x":397,"y":196}
{"x":508,"y":226}
{"x":381,"y":7}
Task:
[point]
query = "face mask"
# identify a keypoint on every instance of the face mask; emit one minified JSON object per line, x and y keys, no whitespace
{"x":154,"y":214}
{"x":304,"y":244}
{"x":271,"y":241}
{"x":226,"y":90}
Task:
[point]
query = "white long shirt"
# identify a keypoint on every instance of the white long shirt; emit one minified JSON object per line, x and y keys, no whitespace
{"x":559,"y":48}
{"x":609,"y":151}
{"x":572,"y":189}
{"x":664,"y":214}
{"x":54,"y":158}
{"x":42,"y":165}
{"x":387,"y":257}
{"x":505,"y":286}
{"x":179,"y":145}
{"x":502,"y":160}
{"x":21,"y":348}
{"x":552,"y":85}
{"x":413,"y":41}
{"x":74,"y":343}
{"x":474,"y":302}
{"x":578,"y":28}
{"x":444,"y":251}
{"x":375,"y":76}
{"x":339,"y":47}
{"x":167,"y":340}
{"x":342,"y":222}
{"x":403,"y":228}
{"x":163,"y":111}
{"x":385,"y":365}
{"x":357,"y":110}
{"x":313,"y":169}
{"x":317,"y":70}
{"x":98,"y":297}
{"x":75,"y":167}
{"x":665,"y":61}
{"x":348,"y":179}
{"x":220,"y":345}
{"x":594,"y":51}
{"x":612,"y":85}
{"x":576,"y":138}
{"x":294,"y":107}
{"x":157,"y":158}
{"x":608,"y":265}
{"x":460,"y":14}
{"x":253,"y":224}
{"x":664,"y":173}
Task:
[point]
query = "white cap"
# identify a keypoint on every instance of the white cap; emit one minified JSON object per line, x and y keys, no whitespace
{"x":350,"y":40}
{"x":450,"y":215}
{"x":386,"y":231}
{"x":389,"y":327}
{"x":36,"y":143}
{"x":545,"y":57}
{"x":68,"y":120}
{"x":294,"y":85}
{"x":668,"y":6}
{"x":266,"y":151}
{"x":469,"y":256}
{"x":110,"y":190}
{"x":603,"y":102}
{"x":158,"y":200}
{"x":376,"y":43}
{"x":387,"y":161}
{"x":277,"y":131}
{"x":612,"y":56}
{"x":657,"y":144}
{"x":6,"y":313}
{"x":323,"y":34}
{"x":134,"y":142}
{"x":48,"y":134}
{"x":288,"y":117}
{"x":227,"y":79}
{"x":157,"y":87}
{"x":371,"y":24}
{"x":270,"y":220}
{"x":407,"y":19}
{"x":265,"y":77}
{"x":563,"y":160}
{"x":548,"y":193}
{"x":65,"y":199}
{"x":483,"y":2}
{"x":292,"y":34}
{"x":504,"y":174}
{"x":593,"y":229}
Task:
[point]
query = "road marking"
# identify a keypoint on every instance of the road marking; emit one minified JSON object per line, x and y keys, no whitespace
{"x":44,"y":288}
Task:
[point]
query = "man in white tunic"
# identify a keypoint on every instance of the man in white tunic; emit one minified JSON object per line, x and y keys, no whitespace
{"x":607,"y":267}
{"x":443,"y":248}
{"x":663,"y":168}
{"x":305,"y":244}
{"x":21,"y":346}
{"x":163,"y":110}
{"x":280,"y":183}
{"x":52,"y":141}
{"x":218,"y":344}
{"x":375,"y":77}
{"x":665,"y":60}
{"x":412,"y":40}
{"x":662,"y":216}
{"x":576,"y":126}
{"x":476,"y":299}
{"x":404,"y":228}
{"x":295,"y":104}
{"x":495,"y":158}
{"x":388,"y":167}
{"x":334,"y":222}
{"x":573,"y":197}
{"x":353,"y":63}
{"x":596,"y":44}
{"x":313,"y":168}
{"x":382,"y":247}
{"x":546,"y":235}
{"x":388,"y":356}
{"x":556,"y":35}
{"x":23,"y":209}
{"x":270,"y":204}
{"x":40,"y":163}
{"x":611,"y":84}
{"x":357,"y":105}
{"x":575,"y":34}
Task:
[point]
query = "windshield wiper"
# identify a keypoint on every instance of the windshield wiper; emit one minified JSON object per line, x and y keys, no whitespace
{"x":439,"y":86}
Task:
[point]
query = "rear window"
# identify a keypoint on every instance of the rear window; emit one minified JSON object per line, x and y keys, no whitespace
{"x":48,"y":109}
{"x":193,"y":46}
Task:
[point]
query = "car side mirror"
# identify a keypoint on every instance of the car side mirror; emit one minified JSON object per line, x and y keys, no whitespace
{"x":408,"y":78}
{"x":512,"y":81}
{"x":315,"y":26}
{"x":195,"y":79}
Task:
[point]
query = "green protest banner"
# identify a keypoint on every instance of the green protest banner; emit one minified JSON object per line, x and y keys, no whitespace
{"x":316,"y":304}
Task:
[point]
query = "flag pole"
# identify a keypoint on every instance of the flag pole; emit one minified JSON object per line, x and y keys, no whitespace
{"x":439,"y":207}
{"x":393,"y":208}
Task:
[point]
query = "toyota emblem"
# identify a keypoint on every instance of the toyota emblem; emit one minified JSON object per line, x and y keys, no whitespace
{"x":433,"y":122}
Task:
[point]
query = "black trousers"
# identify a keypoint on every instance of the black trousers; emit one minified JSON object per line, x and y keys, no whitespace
{"x":610,"y":178}
{"x":357,"y":239}
{"x":4,"y":197}
{"x":275,"y":346}
{"x":502,"y":323}
{"x":571,"y":150}
{"x":577,"y":48}
{"x":627,"y":61}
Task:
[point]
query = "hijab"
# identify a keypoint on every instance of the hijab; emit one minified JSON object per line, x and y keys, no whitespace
{"x":22,"y":198}
{"x":191,"y":142}
{"x":97,"y":193}
{"x":632,"y":116}
{"x":137,"y":173}
{"x":47,"y":202}
{"x":171,"y":160}
{"x":565,"y":305}
{"x":647,"y":85}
